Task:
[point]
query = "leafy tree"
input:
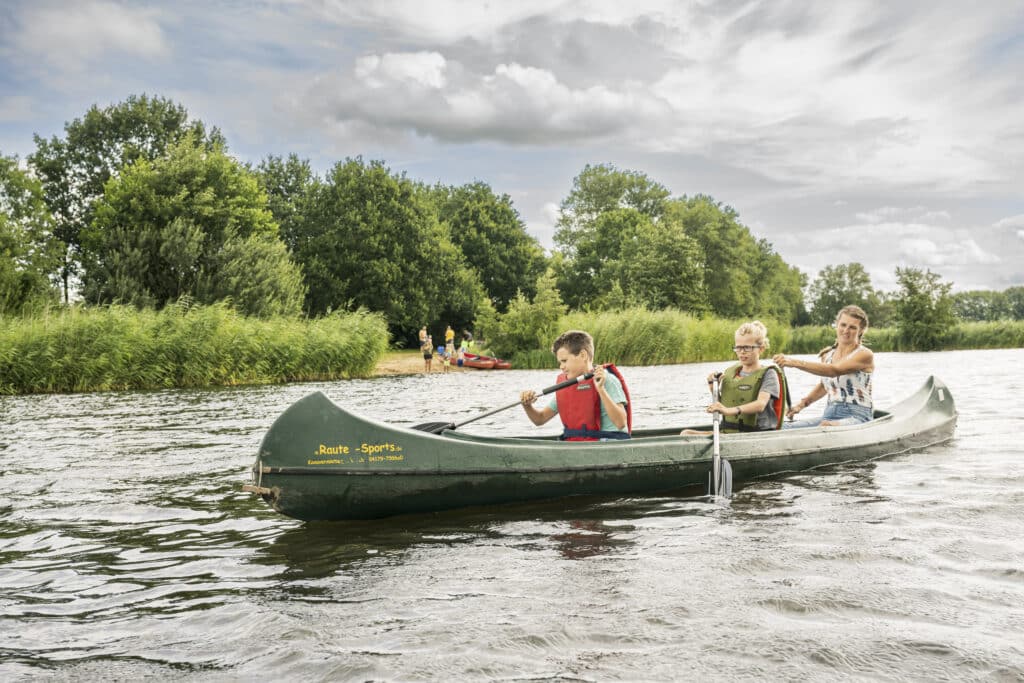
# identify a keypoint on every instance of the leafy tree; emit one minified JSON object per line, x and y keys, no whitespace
{"x":924,"y":308}
{"x":779,"y":286}
{"x":493,"y":240}
{"x":529,"y":324}
{"x":601,"y":198}
{"x":622,"y":238}
{"x":732,"y":257}
{"x":257,"y":275}
{"x":981,"y":305}
{"x":27,"y":249}
{"x":883,"y":312}
{"x":662,"y":267}
{"x":602,"y":188}
{"x":372,"y":239}
{"x":838,"y":286}
{"x":289,"y":184}
{"x":74,"y":169}
{"x":624,"y":257}
{"x":587,"y":272}
{"x":192,"y":223}
{"x":1015,"y":302}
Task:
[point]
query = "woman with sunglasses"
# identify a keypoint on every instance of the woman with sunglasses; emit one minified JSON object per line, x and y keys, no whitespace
{"x":845,"y":369}
{"x":750,"y":391}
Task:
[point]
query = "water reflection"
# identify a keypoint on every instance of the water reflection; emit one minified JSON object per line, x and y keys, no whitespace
{"x":588,"y":538}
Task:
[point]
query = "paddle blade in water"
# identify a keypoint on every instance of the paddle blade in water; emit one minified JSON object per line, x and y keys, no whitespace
{"x":725,"y":480}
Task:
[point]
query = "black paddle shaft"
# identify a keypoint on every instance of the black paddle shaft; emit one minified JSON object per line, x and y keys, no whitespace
{"x":438,"y":427}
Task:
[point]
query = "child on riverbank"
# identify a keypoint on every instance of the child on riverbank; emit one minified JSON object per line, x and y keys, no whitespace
{"x":427,"y":348}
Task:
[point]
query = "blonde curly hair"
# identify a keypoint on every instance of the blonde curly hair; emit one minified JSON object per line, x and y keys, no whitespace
{"x":758,"y":330}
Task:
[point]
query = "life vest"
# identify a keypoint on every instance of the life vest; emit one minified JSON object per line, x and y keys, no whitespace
{"x":737,"y":390}
{"x":579,"y":407}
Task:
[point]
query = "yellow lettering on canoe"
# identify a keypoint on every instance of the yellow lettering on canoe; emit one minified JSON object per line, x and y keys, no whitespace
{"x":375,"y":448}
{"x":332,"y":450}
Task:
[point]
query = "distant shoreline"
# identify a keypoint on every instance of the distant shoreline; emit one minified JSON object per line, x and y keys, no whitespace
{"x":409,"y":363}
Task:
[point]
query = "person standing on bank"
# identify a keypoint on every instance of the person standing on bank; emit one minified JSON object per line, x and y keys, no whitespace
{"x":846,"y":368}
{"x":427,"y":348}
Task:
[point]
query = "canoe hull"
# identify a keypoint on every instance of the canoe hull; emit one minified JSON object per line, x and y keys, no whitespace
{"x":320,"y":462}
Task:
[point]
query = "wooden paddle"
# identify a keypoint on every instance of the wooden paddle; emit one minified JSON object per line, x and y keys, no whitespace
{"x":720,"y":477}
{"x":438,"y":427}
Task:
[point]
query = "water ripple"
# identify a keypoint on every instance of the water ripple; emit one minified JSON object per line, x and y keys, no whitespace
{"x":128,"y":551}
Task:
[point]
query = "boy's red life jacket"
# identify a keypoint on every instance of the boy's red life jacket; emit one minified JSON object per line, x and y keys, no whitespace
{"x":579,"y":407}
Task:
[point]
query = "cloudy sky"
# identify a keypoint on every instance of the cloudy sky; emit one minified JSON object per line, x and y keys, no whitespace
{"x":889,"y":133}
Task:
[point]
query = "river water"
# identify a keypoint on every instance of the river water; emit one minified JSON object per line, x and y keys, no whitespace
{"x":127,"y":550}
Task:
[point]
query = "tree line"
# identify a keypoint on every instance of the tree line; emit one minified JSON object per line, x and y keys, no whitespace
{"x":138,"y":203}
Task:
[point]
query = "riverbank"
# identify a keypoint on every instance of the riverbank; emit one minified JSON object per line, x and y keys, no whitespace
{"x":408,"y":363}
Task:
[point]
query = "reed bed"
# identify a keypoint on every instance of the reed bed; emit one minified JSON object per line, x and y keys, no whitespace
{"x":119,"y":347}
{"x":642,"y":337}
{"x":812,"y":339}
{"x":1005,"y":334}
{"x":1000,"y":334}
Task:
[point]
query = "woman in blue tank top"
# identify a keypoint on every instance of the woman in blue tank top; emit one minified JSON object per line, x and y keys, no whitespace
{"x":846,"y":368}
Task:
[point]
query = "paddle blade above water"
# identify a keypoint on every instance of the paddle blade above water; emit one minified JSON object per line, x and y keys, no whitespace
{"x":434,"y":427}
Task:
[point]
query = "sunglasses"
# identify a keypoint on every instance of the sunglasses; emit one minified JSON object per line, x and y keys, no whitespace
{"x":741,"y":349}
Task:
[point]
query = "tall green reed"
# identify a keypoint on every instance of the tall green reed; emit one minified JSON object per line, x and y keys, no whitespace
{"x":641,"y":337}
{"x":119,"y":347}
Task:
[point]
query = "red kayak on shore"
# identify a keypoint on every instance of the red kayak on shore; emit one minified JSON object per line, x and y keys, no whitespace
{"x":473,"y":360}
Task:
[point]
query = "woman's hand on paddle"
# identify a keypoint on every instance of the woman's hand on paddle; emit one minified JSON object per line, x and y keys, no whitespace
{"x":795,"y":408}
{"x":528,"y":397}
{"x":717,"y":407}
{"x":781,"y":360}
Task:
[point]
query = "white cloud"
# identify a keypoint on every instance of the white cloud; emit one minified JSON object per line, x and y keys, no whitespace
{"x":880,"y":214}
{"x":912,"y":214}
{"x":513,"y":104}
{"x":858,"y":94}
{"x":842,"y":132}
{"x":71,"y":36}
{"x":551,"y":212}
{"x":1010,"y":222}
{"x":425,"y":69}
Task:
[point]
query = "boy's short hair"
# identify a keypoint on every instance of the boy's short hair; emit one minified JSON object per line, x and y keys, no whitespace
{"x":575,"y":341}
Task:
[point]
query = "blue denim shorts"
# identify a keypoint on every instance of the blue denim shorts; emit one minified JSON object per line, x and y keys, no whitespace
{"x":839,"y":413}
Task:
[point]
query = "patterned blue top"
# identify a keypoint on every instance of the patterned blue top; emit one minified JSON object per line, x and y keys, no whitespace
{"x":854,"y":388}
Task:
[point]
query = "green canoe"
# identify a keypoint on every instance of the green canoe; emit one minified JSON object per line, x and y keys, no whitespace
{"x":321,"y":462}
